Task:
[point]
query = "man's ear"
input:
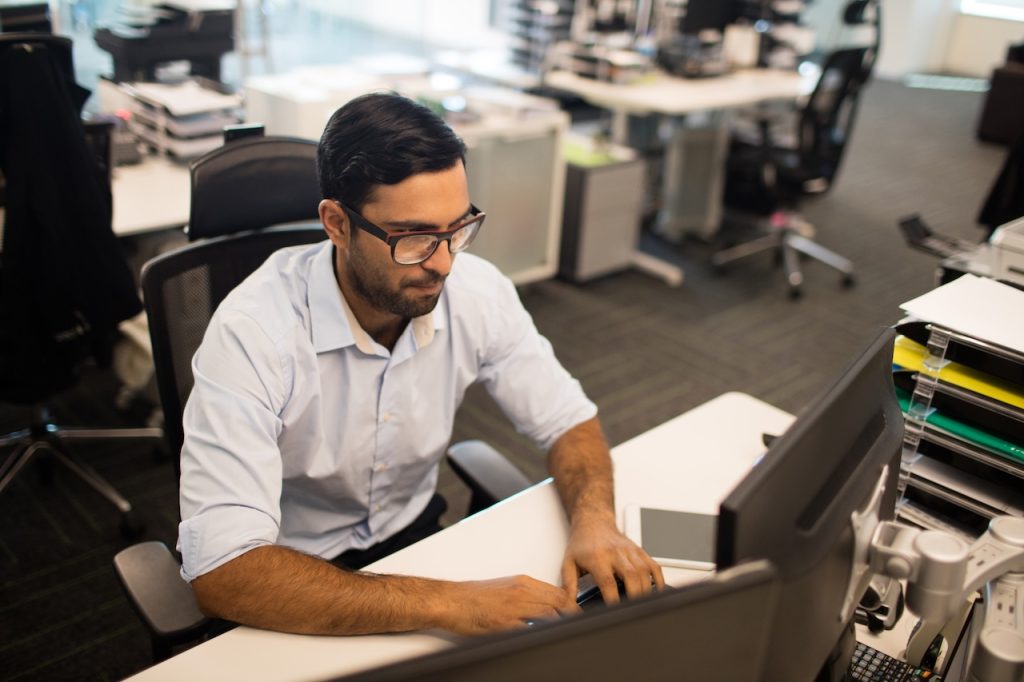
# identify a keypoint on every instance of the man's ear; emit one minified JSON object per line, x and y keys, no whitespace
{"x":335,"y":222}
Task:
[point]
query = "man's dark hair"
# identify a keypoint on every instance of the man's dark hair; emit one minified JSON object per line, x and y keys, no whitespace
{"x":382,"y":139}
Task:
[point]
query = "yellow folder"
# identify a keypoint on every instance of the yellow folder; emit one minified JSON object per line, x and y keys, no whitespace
{"x":910,"y":354}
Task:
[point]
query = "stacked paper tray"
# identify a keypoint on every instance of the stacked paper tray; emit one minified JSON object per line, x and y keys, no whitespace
{"x":959,"y":374}
{"x":184,"y":119}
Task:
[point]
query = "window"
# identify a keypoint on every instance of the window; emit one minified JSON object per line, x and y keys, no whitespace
{"x":997,"y":9}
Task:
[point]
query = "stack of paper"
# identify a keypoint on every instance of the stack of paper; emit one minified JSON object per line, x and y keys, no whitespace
{"x":183,"y":119}
{"x":967,"y":403}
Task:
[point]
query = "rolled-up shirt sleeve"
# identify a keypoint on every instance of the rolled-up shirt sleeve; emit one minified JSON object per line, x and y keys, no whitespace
{"x":522,"y":374}
{"x":231,"y":470}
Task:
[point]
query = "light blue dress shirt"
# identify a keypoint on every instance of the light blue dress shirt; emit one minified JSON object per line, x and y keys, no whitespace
{"x":302,"y":431}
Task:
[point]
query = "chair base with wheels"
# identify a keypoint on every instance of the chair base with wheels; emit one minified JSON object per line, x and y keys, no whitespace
{"x":767,"y":176}
{"x":44,"y":435}
{"x":787,"y":237}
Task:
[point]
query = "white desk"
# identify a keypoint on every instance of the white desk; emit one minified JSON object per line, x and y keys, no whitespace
{"x":689,"y":462}
{"x":493,"y":66}
{"x":665,"y":94}
{"x":691,"y":194}
{"x":149,"y":196}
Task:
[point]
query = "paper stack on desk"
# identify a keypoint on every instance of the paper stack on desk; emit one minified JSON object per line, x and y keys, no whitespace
{"x":959,"y":374}
{"x":185,"y":119}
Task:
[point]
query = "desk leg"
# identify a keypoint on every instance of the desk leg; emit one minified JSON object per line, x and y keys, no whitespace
{"x":620,"y":127}
{"x":656,"y":267}
{"x":693,"y":179}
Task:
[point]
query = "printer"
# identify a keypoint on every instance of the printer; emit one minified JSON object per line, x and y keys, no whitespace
{"x":197,"y":31}
{"x":1008,"y":251}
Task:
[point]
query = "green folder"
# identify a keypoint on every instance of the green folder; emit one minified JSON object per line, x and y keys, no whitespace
{"x":966,"y":432}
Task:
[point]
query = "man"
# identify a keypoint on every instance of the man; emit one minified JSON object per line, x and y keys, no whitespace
{"x":325,"y":391}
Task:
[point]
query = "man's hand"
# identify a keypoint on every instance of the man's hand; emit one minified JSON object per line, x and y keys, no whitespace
{"x":478,"y":607}
{"x":597,"y":547}
{"x":582,"y":467}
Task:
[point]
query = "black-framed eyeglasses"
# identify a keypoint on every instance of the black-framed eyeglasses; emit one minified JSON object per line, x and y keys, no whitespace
{"x":416,"y":246}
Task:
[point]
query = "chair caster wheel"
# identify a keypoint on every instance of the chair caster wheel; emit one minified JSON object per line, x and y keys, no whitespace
{"x":848,"y":281}
{"x":131,"y":526}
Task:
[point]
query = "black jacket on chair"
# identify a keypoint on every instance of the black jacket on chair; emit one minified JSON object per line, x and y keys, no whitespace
{"x":64,"y":282}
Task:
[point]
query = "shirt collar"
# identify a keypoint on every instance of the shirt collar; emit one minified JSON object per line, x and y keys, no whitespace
{"x":335,"y":325}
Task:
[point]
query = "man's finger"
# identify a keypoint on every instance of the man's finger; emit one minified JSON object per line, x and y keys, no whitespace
{"x":605,"y":580}
{"x":635,"y":575}
{"x":656,"y":573}
{"x":570,"y":578}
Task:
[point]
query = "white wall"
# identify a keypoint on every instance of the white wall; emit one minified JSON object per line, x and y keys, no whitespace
{"x":921,"y":36}
{"x":914,"y":36}
{"x":978,"y":44}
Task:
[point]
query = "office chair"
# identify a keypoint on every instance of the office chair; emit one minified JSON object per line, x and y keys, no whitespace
{"x":182,"y":288}
{"x":64,"y":282}
{"x":769,"y":178}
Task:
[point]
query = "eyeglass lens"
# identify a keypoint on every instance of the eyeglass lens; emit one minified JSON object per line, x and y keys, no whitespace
{"x":418,"y":248}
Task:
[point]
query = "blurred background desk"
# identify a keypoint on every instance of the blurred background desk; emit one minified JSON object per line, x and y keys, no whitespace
{"x":150,"y":196}
{"x":690,"y":462}
{"x":692,"y":178}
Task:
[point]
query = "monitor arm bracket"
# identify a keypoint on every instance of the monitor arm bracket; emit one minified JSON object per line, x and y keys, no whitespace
{"x":942,"y":571}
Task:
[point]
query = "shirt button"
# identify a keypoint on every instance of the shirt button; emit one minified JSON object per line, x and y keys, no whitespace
{"x":382,"y":466}
{"x":386,"y":417}
{"x":376,"y":507}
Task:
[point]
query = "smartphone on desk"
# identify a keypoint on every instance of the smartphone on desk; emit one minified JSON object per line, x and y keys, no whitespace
{"x":677,"y":539}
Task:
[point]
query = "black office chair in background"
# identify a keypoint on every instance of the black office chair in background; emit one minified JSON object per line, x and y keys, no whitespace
{"x":769,"y":177}
{"x":244,"y":194}
{"x":64,"y":282}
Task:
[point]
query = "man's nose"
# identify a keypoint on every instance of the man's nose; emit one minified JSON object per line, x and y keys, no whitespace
{"x":440,"y":261}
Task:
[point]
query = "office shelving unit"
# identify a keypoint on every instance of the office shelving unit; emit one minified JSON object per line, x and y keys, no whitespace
{"x":534,"y":26}
{"x":958,"y":473}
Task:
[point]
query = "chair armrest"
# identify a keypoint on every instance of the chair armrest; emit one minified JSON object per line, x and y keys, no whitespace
{"x":488,"y":474}
{"x":150,"y":576}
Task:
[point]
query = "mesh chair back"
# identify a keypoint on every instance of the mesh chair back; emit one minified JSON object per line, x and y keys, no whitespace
{"x":826,"y":122}
{"x":252,"y":183}
{"x":236,"y":190}
{"x":183,"y":288}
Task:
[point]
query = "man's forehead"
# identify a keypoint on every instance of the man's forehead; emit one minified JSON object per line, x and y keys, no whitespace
{"x":430,"y":199}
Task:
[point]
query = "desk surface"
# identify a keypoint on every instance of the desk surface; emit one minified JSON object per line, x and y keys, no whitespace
{"x":152,"y":195}
{"x":665,"y":94}
{"x":149,"y":196}
{"x":698,"y":457}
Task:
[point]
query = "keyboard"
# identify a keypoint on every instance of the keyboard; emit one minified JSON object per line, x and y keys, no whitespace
{"x":871,"y":665}
{"x":588,"y":596}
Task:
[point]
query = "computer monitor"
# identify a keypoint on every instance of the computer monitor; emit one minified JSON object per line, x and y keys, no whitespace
{"x":715,"y":630}
{"x":794,"y":509}
{"x":703,"y":15}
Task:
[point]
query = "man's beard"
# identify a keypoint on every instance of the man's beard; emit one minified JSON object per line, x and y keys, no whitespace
{"x":368,"y":283}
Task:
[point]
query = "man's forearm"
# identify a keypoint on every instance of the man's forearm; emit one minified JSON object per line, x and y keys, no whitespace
{"x":582,"y":469}
{"x":280,"y":589}
{"x":276,"y":588}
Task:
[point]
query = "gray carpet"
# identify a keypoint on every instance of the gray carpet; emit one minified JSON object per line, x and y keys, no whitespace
{"x":643,"y":351}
